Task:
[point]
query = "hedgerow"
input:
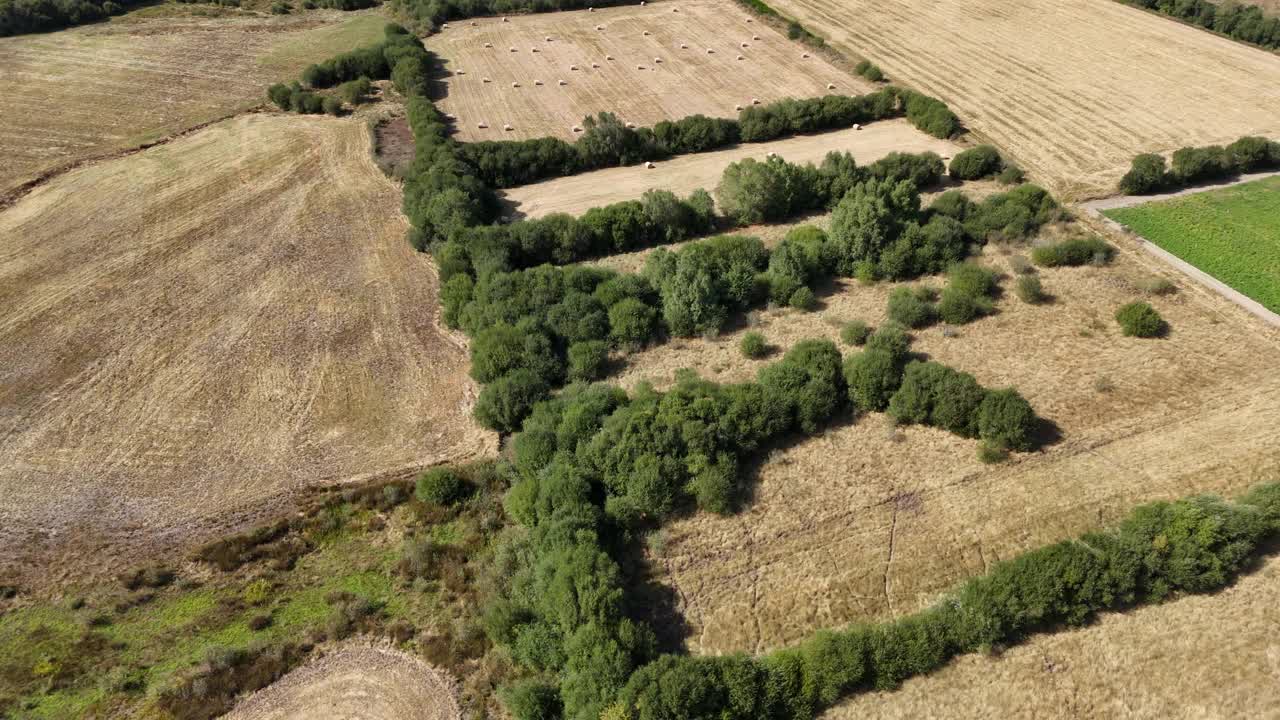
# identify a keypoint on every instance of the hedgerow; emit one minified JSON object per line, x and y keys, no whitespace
{"x":1149,"y":172}
{"x":1073,"y":251}
{"x":1239,"y":21}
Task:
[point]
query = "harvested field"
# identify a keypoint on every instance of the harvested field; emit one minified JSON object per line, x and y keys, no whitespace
{"x":1205,"y":656}
{"x":355,"y":683}
{"x":94,"y":90}
{"x":194,"y":332}
{"x":1072,"y":89}
{"x":869,"y":521}
{"x":578,"y":193}
{"x":687,"y":81}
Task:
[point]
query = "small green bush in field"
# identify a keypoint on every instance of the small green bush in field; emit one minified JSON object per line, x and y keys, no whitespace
{"x":910,"y":308}
{"x":440,"y":486}
{"x":855,"y":333}
{"x":803,"y":299}
{"x":1011,"y":175}
{"x":1029,"y":290}
{"x":975,"y":163}
{"x":753,"y":345}
{"x":1139,"y":319}
{"x":1073,"y":252}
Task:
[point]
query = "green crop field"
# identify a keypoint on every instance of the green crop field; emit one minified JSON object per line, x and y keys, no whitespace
{"x":1233,"y":234}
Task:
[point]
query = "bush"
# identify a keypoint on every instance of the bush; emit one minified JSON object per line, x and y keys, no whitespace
{"x":975,"y":163}
{"x":588,"y":360}
{"x":873,"y":376}
{"x":355,"y":91}
{"x":332,"y":106}
{"x":631,"y":323}
{"x":1006,"y":420}
{"x":803,"y":299}
{"x":1139,"y":319}
{"x":958,"y":308}
{"x":1029,"y":290}
{"x":280,"y":8}
{"x":855,"y":332}
{"x":753,"y":345}
{"x":1073,"y":252}
{"x":506,"y":401}
{"x":440,"y":486}
{"x":1146,"y":174}
{"x":911,"y":307}
{"x":1011,"y":175}
{"x":869,"y":70}
{"x":890,"y":337}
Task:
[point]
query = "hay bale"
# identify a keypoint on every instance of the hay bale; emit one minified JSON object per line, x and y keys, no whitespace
{"x":534,"y":49}
{"x":513,"y":49}
{"x":504,"y":19}
{"x":857,"y":126}
{"x":515,"y":84}
{"x":562,"y":82}
{"x":639,"y":67}
{"x":599,"y":27}
{"x":657,"y":60}
{"x":573,"y":67}
{"x":508,"y":127}
{"x":444,"y":26}
{"x":482,"y":125}
{"x":548,"y":38}
{"x":487,"y":80}
{"x":645,"y":33}
{"x":459,"y":72}
{"x":755,"y":37}
{"x":831,"y":86}
{"x":631,"y":125}
{"x":537,"y":82}
{"x":741,"y":58}
{"x":710,"y":51}
{"x":608,"y":57}
{"x":595,"y":65}
{"x":755,"y":101}
{"x":474,"y":23}
{"x":804,"y":55}
{"x":488,"y":45}
{"x":744,"y":45}
{"x":683,"y":46}
{"x":577,"y":129}
{"x":648,"y":165}
{"x":738,"y":108}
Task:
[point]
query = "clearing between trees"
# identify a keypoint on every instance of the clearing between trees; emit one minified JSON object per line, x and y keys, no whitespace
{"x":201,"y":329}
{"x":1071,"y":89}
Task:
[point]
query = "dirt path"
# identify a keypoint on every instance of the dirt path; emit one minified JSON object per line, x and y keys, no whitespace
{"x":682,"y":175}
{"x":193,"y":333}
{"x":355,"y":683}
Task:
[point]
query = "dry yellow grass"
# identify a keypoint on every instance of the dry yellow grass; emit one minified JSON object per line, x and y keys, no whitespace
{"x":355,"y":683}
{"x":578,"y":193}
{"x":89,"y":91}
{"x":868,"y":522}
{"x":193,"y":333}
{"x":1206,"y":657}
{"x":1071,"y":88}
{"x":686,"y":82}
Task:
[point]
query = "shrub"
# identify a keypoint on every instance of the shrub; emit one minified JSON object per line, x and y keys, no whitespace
{"x":1006,"y":420}
{"x":803,"y":299}
{"x":1197,"y":164}
{"x":506,"y":401}
{"x":869,"y":70}
{"x":855,"y":332}
{"x":1139,"y":319}
{"x":975,"y":163}
{"x":332,"y":105}
{"x":1157,"y":286}
{"x":631,"y":322}
{"x":355,"y":91}
{"x":1029,"y":290}
{"x":1147,"y":174}
{"x":587,"y":360}
{"x":872,"y":376}
{"x":972,"y":279}
{"x":1072,"y":252}
{"x":280,"y":8}
{"x":990,"y":454}
{"x":440,"y":486}
{"x":910,"y":307}
{"x":958,"y":308}
{"x":753,"y":345}
{"x":890,"y":337}
{"x":1011,"y":175}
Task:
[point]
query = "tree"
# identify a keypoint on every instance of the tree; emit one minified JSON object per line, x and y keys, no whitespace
{"x":867,"y":221}
{"x":587,"y":360}
{"x":506,"y":401}
{"x":975,"y":163}
{"x":752,"y":192}
{"x":631,"y":322}
{"x":1006,"y":420}
{"x":440,"y":486}
{"x":1146,"y":174}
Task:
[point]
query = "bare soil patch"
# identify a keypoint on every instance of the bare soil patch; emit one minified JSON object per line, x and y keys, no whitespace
{"x":578,"y":193}
{"x":868,"y":521}
{"x":90,"y":91}
{"x":1073,"y":90}
{"x":686,"y":81}
{"x":355,"y":683}
{"x":1204,"y":656}
{"x":195,"y":332}
{"x":394,"y":145}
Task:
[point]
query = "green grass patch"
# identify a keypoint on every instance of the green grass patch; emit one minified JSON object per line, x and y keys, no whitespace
{"x":1232,"y":233}
{"x":312,"y":46}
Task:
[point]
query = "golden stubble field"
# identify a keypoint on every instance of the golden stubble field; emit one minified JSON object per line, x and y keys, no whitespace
{"x":868,"y":521}
{"x":355,"y":681}
{"x":195,"y":332}
{"x":1204,"y":657}
{"x":682,"y":175}
{"x":90,"y":91}
{"x":687,"y":81}
{"x":1072,"y":89}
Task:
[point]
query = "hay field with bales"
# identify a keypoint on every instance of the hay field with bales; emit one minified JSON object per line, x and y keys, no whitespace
{"x":91,"y":91}
{"x":577,"y":193}
{"x":1072,"y":89}
{"x":242,"y":320}
{"x":685,"y":81}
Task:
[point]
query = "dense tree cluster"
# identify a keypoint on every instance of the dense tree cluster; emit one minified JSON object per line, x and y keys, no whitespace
{"x":429,"y":15}
{"x":26,"y":16}
{"x":1149,"y":172}
{"x":1197,"y":544}
{"x":400,"y":57}
{"x":1239,"y":21}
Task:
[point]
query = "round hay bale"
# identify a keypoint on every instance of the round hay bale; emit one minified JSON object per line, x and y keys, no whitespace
{"x":573,"y":67}
{"x":504,"y":19}
{"x":648,"y":165}
{"x":683,"y":46}
{"x":577,"y":129}
{"x":444,"y":26}
{"x":631,"y":125}
{"x":608,"y":57}
{"x":738,"y":108}
{"x":857,"y":126}
{"x":482,"y":125}
{"x":710,"y":51}
{"x":474,"y":23}
{"x":755,"y":37}
{"x":562,"y":82}
{"x":595,"y":65}
{"x":657,"y":60}
{"x":741,"y":58}
{"x":533,"y":49}
{"x":804,"y":55}
{"x":459,"y":72}
{"x":548,"y":38}
{"x":508,"y":127}
{"x":537,"y":82}
{"x":744,"y":45}
{"x":515,"y":84}
{"x":513,"y":49}
{"x":645,"y":33}
{"x":488,"y":45}
{"x":831,"y":86}
{"x":486,"y":80}
{"x":755,"y":101}
{"x":639,"y":67}
{"x":599,"y":27}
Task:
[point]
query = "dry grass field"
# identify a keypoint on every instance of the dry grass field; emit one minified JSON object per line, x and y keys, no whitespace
{"x":686,"y":82}
{"x":578,"y":193}
{"x":1071,"y":88}
{"x":195,"y":331}
{"x":355,"y":683}
{"x":90,"y":91}
{"x":1174,"y":662}
{"x":869,"y":521}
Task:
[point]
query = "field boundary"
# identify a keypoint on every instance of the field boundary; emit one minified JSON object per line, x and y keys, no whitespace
{"x":1248,"y":304}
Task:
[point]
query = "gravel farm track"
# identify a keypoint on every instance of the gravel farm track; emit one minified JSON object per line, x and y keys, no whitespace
{"x":686,"y":82}
{"x":82,"y":93}
{"x":196,"y":331}
{"x":1072,"y":89}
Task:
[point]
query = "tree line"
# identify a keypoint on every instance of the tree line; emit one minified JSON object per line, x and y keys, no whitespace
{"x":400,"y":57}
{"x":608,"y":142}
{"x":27,"y":16}
{"x":1149,"y":172}
{"x":1238,"y":21}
